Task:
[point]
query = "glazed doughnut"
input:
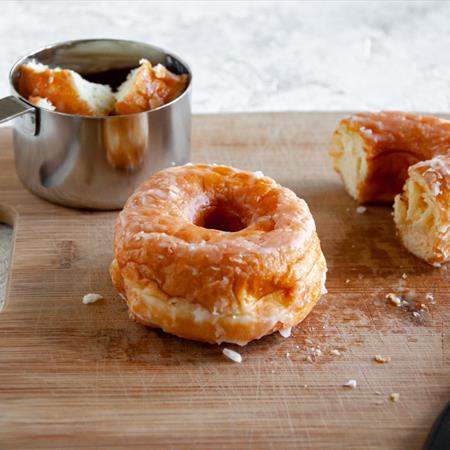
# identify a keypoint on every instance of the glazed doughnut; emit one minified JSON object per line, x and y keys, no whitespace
{"x":422,"y":210}
{"x":217,"y":254}
{"x":373,"y":151}
{"x":65,"y":89}
{"x":148,"y":87}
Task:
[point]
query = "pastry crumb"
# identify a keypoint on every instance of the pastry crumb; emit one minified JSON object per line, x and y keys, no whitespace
{"x":394,"y":299}
{"x":285,"y":332}
{"x":395,"y":396}
{"x":429,"y":296}
{"x":404,"y":276}
{"x":335,"y":352}
{"x":382,"y":359}
{"x":92,"y":298}
{"x":313,"y":353}
{"x":232,"y":355}
{"x":347,"y":281}
{"x":377,"y":393}
{"x":350,"y":384}
{"x":361,"y":209}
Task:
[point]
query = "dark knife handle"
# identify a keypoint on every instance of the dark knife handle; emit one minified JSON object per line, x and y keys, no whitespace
{"x":439,"y":437}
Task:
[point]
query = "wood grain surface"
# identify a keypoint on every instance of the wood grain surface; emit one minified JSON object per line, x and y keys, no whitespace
{"x":85,"y":376}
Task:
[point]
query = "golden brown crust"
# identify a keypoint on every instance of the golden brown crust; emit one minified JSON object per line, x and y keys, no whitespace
{"x":151,"y":87}
{"x":393,"y":141}
{"x":265,"y":274}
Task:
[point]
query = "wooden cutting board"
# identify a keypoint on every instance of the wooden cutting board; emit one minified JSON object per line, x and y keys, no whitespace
{"x":85,"y":376}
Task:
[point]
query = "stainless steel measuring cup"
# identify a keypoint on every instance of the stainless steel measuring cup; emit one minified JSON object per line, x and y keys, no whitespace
{"x":96,"y":162}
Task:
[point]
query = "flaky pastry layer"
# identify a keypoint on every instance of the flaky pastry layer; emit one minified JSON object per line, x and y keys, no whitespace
{"x":422,"y":210}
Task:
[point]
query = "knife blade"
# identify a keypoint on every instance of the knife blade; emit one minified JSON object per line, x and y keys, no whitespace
{"x":439,"y":437}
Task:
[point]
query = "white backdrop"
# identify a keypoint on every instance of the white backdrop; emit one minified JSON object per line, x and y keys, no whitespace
{"x":249,"y":56}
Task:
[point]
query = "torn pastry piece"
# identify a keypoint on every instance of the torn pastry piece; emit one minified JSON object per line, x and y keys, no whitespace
{"x":65,"y":89}
{"x":148,"y":87}
{"x":372,"y":151}
{"x":422,"y":210}
{"x":44,"y":103}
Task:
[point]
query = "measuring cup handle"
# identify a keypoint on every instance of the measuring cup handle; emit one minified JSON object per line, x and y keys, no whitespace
{"x":12,"y":107}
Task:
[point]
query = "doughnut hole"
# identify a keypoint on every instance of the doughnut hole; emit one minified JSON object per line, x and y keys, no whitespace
{"x":220,"y":216}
